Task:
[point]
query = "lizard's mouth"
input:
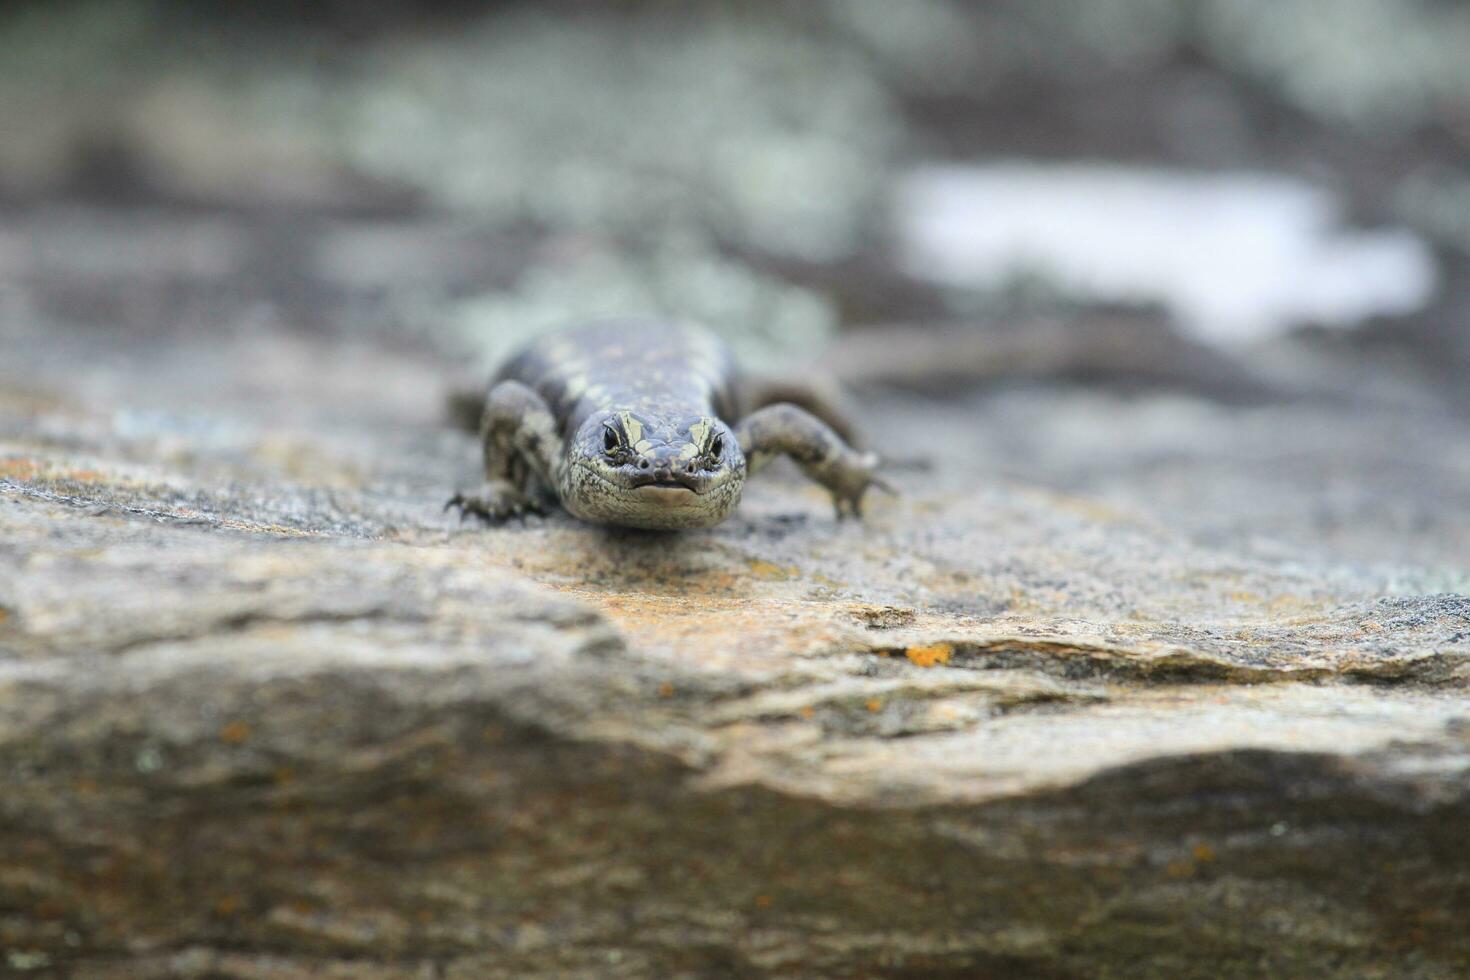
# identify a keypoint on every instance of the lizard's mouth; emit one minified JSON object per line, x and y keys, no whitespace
{"x":664,"y":481}
{"x":654,"y":499}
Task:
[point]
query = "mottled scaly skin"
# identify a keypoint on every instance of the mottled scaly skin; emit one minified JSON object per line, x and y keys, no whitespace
{"x":628,"y":422}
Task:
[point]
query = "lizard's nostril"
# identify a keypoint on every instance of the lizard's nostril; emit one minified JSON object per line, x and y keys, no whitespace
{"x":643,"y":464}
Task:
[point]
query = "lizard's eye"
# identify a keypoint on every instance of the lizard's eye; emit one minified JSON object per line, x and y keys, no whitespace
{"x":717,"y":447}
{"x":609,"y":439}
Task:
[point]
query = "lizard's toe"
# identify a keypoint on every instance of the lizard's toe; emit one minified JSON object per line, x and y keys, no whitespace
{"x":495,"y":504}
{"x":470,"y":507}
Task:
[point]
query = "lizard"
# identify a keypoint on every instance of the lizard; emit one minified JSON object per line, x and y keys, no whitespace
{"x":649,"y":424}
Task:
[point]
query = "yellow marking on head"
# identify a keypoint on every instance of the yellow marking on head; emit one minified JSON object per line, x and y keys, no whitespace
{"x":632,"y":427}
{"x":643,"y":447}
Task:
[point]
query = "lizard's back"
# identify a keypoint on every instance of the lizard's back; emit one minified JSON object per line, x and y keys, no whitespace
{"x":621,"y":364}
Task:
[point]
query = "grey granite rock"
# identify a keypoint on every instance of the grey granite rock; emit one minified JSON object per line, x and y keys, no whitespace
{"x":1104,"y":692}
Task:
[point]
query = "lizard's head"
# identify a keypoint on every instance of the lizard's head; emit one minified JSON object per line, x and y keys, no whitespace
{"x":639,"y":469}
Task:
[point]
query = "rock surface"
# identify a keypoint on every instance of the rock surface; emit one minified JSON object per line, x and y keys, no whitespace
{"x":1139,"y":685}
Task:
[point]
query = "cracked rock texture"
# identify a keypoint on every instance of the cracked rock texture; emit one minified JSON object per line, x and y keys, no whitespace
{"x":1120,"y":685}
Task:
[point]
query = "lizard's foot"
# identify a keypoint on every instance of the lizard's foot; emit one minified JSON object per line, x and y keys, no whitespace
{"x":785,"y":429}
{"x":848,"y":478}
{"x":497,"y":502}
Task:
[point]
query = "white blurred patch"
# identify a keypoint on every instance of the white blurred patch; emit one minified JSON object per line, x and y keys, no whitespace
{"x":1234,"y":258}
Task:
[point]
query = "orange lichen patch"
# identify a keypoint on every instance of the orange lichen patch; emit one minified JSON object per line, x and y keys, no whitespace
{"x":807,"y":712}
{"x":235,"y":732}
{"x":666,"y":690}
{"x":1204,"y":853}
{"x":4,"y":614}
{"x":19,"y":468}
{"x":227,"y":906}
{"x":874,"y":705}
{"x":636,"y":566}
{"x":763,"y":901}
{"x":928,"y":656}
{"x":720,"y":631}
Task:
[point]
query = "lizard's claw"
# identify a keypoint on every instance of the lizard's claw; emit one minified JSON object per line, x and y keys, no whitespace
{"x":496,"y":503}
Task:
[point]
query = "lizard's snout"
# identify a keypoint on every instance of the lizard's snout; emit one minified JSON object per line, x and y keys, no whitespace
{"x":664,"y":467}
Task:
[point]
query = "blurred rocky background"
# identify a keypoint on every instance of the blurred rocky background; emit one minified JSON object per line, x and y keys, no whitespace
{"x":1160,"y":313}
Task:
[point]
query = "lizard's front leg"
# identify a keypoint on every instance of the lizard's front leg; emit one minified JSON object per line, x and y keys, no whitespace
{"x":821,"y":453}
{"x":814,"y":394}
{"x":522,"y":452}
